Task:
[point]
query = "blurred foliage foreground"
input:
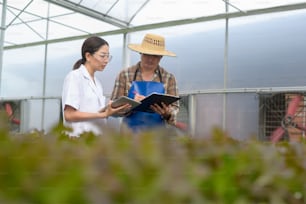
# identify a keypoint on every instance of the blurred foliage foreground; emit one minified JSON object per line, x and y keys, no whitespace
{"x":153,"y":167}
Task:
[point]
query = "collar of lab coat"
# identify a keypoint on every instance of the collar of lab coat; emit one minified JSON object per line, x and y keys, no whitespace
{"x":94,"y":86}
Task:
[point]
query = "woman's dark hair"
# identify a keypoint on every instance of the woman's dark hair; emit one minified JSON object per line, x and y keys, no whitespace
{"x":91,"y":45}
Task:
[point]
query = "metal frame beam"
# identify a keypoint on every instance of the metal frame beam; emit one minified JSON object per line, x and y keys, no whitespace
{"x":89,"y":12}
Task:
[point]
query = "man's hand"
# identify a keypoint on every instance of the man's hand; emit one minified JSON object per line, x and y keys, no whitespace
{"x":163,"y":110}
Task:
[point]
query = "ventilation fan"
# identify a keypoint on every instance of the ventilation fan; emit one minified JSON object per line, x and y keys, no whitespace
{"x":293,"y":121}
{"x":10,"y":113}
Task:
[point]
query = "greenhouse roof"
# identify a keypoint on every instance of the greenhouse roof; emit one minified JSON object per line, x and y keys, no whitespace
{"x":34,"y":22}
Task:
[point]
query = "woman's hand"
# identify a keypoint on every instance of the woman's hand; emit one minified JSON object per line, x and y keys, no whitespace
{"x":121,"y":109}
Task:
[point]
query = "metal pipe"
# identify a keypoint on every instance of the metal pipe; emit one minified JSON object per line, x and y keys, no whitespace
{"x":45,"y":71}
{"x":225,"y":67}
{"x":249,"y":90}
{"x":2,"y":33}
{"x":192,"y":113}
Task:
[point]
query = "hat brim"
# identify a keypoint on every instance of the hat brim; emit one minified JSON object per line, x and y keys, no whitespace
{"x":139,"y":48}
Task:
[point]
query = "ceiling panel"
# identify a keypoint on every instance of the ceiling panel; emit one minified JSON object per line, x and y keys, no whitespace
{"x":168,"y":10}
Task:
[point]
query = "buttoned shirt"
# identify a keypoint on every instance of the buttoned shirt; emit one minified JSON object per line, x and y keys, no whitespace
{"x":124,"y":80}
{"x":84,"y":94}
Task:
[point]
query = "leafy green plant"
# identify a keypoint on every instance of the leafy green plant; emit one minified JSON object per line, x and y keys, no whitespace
{"x":152,"y":167}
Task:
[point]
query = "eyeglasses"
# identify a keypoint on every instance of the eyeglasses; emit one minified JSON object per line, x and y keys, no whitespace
{"x":106,"y":56}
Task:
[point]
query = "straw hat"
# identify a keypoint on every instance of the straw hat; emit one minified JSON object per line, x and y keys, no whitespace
{"x":152,"y":45}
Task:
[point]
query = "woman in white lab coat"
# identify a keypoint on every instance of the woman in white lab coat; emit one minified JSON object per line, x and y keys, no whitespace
{"x":82,"y":96}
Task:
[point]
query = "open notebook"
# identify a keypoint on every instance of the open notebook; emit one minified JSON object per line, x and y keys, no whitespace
{"x":155,"y":98}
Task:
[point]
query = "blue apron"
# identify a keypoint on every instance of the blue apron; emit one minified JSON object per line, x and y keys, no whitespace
{"x":137,"y":120}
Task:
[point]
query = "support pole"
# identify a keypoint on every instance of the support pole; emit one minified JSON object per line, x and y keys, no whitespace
{"x":225,"y":68}
{"x":45,"y":72}
{"x":2,"y":33}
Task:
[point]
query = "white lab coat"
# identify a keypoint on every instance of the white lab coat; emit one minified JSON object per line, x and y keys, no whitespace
{"x":80,"y":92}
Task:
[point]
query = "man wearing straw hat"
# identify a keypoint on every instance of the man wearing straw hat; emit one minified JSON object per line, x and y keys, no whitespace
{"x":145,"y":77}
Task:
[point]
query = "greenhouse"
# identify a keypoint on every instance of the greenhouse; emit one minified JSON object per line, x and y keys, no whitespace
{"x":236,"y":69}
{"x":238,"y":63}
